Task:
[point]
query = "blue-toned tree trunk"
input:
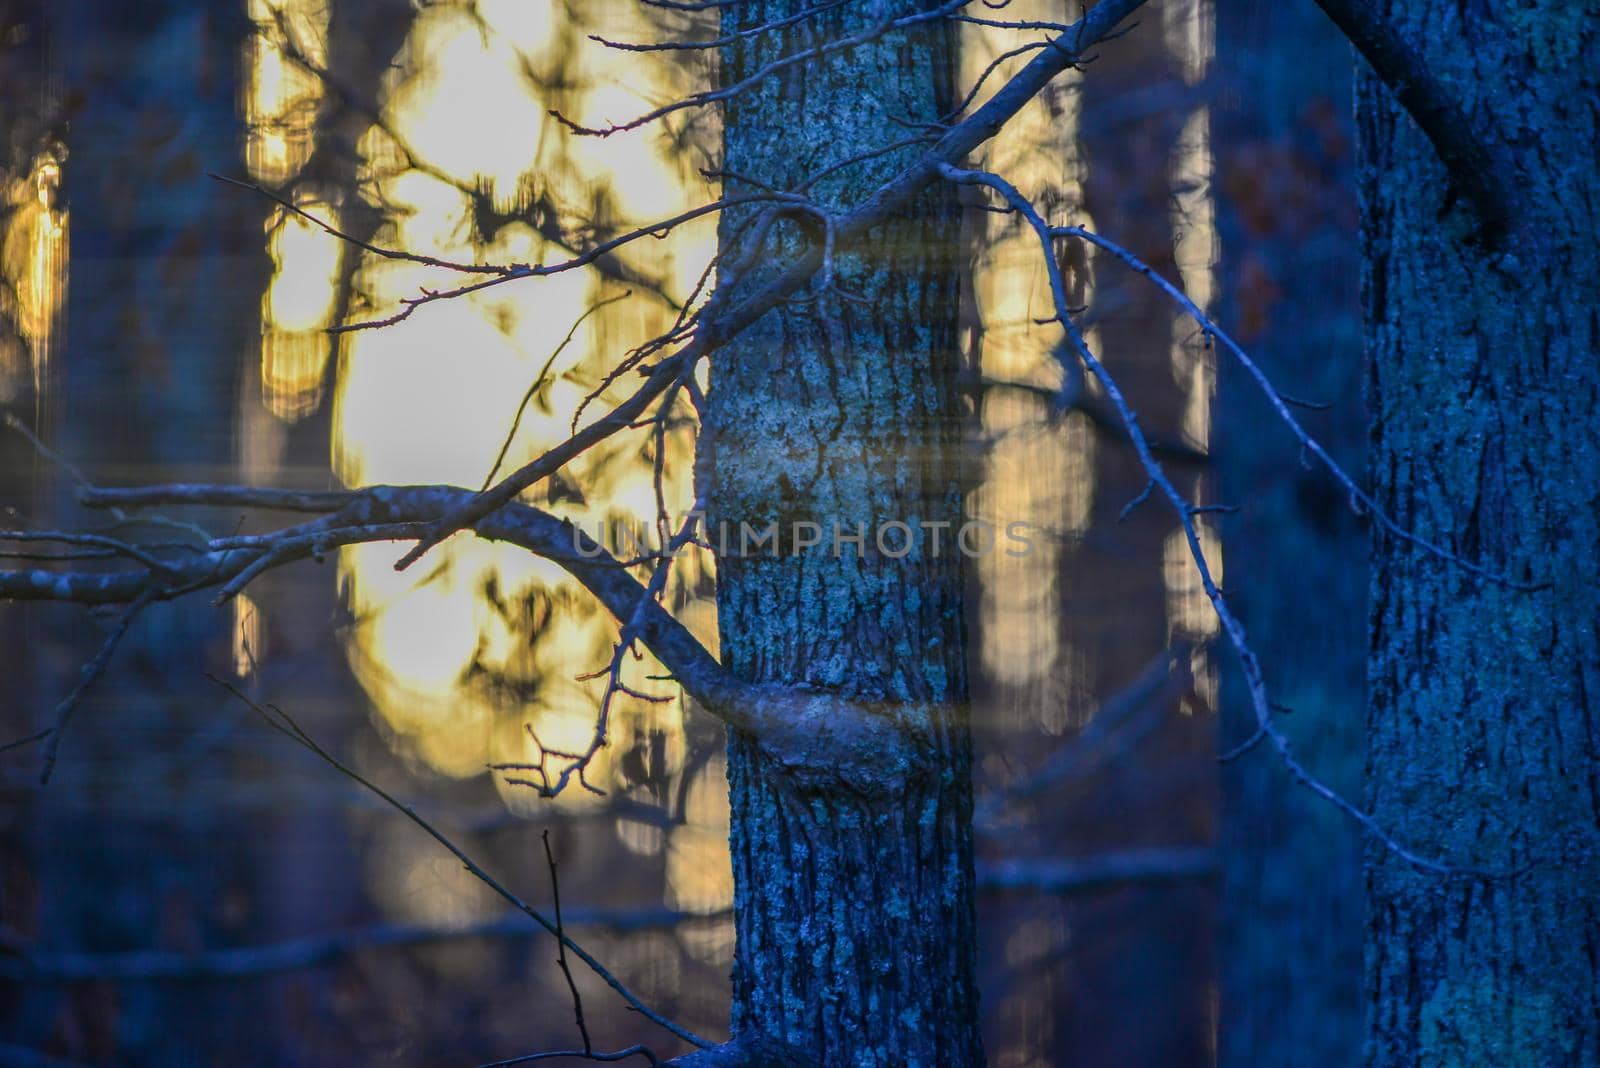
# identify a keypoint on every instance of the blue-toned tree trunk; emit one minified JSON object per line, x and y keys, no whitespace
{"x":1484,"y":725}
{"x":166,"y":272}
{"x":855,"y":916}
{"x":1290,"y":934}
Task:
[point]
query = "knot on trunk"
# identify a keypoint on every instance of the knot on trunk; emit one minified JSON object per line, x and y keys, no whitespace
{"x":827,"y":743}
{"x":745,"y":1051}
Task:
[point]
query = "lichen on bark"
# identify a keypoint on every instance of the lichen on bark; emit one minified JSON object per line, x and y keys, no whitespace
{"x":1485,"y":700}
{"x":854,"y":915}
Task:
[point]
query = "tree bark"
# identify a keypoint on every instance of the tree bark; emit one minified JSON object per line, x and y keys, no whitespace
{"x":854,"y":914}
{"x":1485,"y":700}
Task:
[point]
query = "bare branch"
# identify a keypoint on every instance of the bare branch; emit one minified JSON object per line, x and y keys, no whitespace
{"x":350,"y":239}
{"x":589,"y":256}
{"x":214,"y":496}
{"x":542,"y":214}
{"x":744,"y":85}
{"x":719,"y":42}
{"x":280,"y":721}
{"x":715,"y":330}
{"x":19,"y":962}
{"x":91,"y":671}
{"x":1012,"y":24}
{"x":983,"y":76}
{"x":631,"y":629}
{"x":577,"y":1054}
{"x":1485,"y":172}
{"x":820,"y":738}
{"x":539,"y":381}
{"x":115,"y":546}
{"x":618,"y":419}
{"x":1230,"y":624}
{"x":561,"y":946}
{"x":1360,"y":500}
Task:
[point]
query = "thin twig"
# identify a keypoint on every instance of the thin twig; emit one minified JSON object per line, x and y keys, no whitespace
{"x":517,"y":271}
{"x":283,"y":723}
{"x":1361,"y":501}
{"x":46,"y":451}
{"x":91,"y":671}
{"x":561,"y":945}
{"x":714,"y":331}
{"x":744,"y":85}
{"x":539,"y":381}
{"x":114,"y":545}
{"x":365,"y":246}
{"x":578,"y":1054}
{"x":719,"y":42}
{"x":1230,"y":624}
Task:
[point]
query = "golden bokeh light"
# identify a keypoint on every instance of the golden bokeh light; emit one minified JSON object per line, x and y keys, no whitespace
{"x":247,"y":632}
{"x":1194,"y":231}
{"x":473,"y":656}
{"x":33,"y":257}
{"x":1190,"y":38}
{"x":1040,"y":467}
{"x":281,"y":96}
{"x":297,"y":310}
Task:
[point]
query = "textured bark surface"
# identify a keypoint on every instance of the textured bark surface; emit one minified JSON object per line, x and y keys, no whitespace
{"x":1485,"y":714}
{"x":854,"y":916}
{"x":1291,"y":923}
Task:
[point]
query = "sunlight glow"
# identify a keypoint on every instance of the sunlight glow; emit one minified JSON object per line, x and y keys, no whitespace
{"x":1195,"y":252}
{"x":1039,"y":467}
{"x":33,"y":259}
{"x":1188,"y":609}
{"x":281,"y":95}
{"x":1189,"y":30}
{"x":478,"y":642}
{"x":297,"y":309}
{"x":246,"y":635}
{"x":1190,"y":38}
{"x":699,"y":878}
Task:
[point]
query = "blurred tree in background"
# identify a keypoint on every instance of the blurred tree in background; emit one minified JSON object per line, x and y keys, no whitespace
{"x":1289,"y":948}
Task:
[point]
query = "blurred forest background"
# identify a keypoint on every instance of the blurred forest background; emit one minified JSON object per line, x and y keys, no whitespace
{"x":190,"y":889}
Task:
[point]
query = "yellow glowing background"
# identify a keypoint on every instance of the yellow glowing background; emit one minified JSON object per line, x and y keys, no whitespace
{"x":33,"y":256}
{"x":461,"y":651}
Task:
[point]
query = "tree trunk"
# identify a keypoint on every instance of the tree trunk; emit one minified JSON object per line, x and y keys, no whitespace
{"x":855,"y":916}
{"x":1485,"y":711}
{"x":167,"y":268}
{"x":1291,"y":901}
